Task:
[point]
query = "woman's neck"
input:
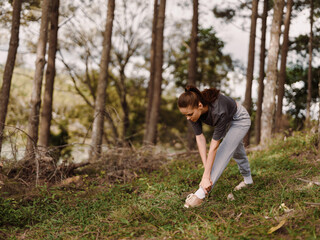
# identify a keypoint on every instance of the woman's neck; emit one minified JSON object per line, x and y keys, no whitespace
{"x":205,"y":109}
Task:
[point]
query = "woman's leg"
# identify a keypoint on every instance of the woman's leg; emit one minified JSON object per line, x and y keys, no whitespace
{"x":241,"y":158}
{"x":228,"y":146}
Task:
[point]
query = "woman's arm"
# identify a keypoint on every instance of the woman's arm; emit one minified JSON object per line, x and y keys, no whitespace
{"x":206,"y":181}
{"x":201,"y":142}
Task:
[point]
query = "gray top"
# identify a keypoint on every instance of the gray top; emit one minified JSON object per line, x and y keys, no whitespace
{"x":219,"y":115}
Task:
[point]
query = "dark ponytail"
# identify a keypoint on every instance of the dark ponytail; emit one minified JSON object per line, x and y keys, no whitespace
{"x":192,"y":96}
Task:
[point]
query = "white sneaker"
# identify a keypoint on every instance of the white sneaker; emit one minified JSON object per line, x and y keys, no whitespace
{"x":240,"y":186}
{"x":193,"y":201}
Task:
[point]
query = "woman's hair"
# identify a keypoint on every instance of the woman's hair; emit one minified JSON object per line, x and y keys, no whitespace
{"x":192,"y":96}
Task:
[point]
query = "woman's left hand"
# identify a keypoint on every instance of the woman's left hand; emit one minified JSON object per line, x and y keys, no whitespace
{"x":206,"y":184}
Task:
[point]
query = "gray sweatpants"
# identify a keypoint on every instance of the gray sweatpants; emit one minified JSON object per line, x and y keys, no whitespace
{"x":232,"y":146}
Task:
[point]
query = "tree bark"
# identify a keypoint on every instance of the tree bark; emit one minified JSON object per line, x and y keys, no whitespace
{"x":192,"y":68}
{"x":151,"y":128}
{"x":308,"y":120}
{"x":283,"y":65}
{"x":319,"y":114}
{"x":261,"y":71}
{"x":152,"y":67}
{"x":46,"y":114}
{"x":248,"y":101}
{"x":8,"y":70}
{"x":98,"y":122}
{"x":33,"y":125}
{"x":268,"y":105}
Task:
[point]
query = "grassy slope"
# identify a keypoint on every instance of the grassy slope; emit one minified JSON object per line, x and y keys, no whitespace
{"x":151,"y":206}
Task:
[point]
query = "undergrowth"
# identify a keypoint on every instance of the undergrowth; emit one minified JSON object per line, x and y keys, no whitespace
{"x":151,"y":205}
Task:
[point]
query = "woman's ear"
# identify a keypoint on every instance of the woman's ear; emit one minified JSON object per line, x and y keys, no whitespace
{"x":200,"y":105}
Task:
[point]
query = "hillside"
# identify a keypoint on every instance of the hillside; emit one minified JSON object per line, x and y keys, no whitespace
{"x":283,"y":203}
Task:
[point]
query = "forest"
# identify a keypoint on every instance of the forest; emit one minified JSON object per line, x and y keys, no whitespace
{"x":89,"y":117}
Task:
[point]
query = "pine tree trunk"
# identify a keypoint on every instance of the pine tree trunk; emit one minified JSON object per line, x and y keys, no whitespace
{"x":8,"y":70}
{"x":192,"y":68}
{"x":248,"y":101}
{"x":261,"y":71}
{"x":151,"y":128}
{"x":152,"y":68}
{"x":33,"y":125}
{"x":283,"y":65}
{"x":268,"y":105}
{"x":98,"y":122}
{"x":308,"y":120}
{"x":46,"y":114}
{"x":319,"y":114}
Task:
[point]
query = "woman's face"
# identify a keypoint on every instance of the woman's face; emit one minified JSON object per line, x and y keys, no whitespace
{"x":192,"y":114}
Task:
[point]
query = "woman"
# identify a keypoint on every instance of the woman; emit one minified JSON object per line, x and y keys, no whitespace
{"x":231,"y":122}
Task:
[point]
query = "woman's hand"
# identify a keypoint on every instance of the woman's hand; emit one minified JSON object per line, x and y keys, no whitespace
{"x":206,"y":184}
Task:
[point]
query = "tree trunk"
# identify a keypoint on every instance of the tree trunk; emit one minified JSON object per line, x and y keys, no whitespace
{"x":283,"y":65}
{"x":319,"y":114}
{"x":152,"y":67}
{"x":248,"y":101}
{"x":261,"y":71}
{"x":268,"y":105}
{"x":46,"y":114}
{"x":151,"y":128}
{"x":33,"y":125}
{"x":308,"y":120}
{"x":192,"y":68}
{"x":98,"y":122}
{"x":8,"y":70}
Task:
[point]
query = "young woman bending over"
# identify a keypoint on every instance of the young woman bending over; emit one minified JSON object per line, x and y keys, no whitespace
{"x":231,"y":122}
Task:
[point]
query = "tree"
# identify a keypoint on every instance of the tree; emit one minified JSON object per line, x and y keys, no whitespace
{"x":283,"y":65}
{"x":310,"y":47}
{"x":192,"y":68}
{"x":8,"y":71}
{"x":152,"y":65}
{"x":212,"y":64}
{"x":268,"y":105}
{"x":319,"y":114}
{"x":46,"y":114}
{"x":33,"y":122}
{"x":154,"y":107}
{"x":248,"y":100}
{"x":129,"y":38}
{"x":261,"y":70}
{"x":98,"y":122}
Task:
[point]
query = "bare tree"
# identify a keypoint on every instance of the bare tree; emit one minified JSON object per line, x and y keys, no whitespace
{"x":192,"y":68}
{"x":129,"y":38}
{"x":283,"y":65}
{"x":154,"y":108}
{"x":268,"y":105}
{"x":33,"y":122}
{"x":261,"y":71}
{"x":46,"y":114}
{"x":98,"y":123}
{"x":310,"y":66}
{"x":8,"y":70}
{"x":248,"y":100}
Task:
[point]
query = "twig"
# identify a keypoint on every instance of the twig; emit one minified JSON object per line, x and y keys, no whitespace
{"x":314,"y":204}
{"x":308,"y":181}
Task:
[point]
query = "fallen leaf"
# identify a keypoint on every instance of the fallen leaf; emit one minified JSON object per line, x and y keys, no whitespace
{"x":273,"y":229}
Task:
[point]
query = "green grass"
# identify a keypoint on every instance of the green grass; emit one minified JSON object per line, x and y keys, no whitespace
{"x":150,"y":207}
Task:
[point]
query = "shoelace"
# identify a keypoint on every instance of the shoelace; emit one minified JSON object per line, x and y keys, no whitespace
{"x":189,"y":196}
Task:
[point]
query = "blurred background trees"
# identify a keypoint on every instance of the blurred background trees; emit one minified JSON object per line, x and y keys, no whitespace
{"x":129,"y":98}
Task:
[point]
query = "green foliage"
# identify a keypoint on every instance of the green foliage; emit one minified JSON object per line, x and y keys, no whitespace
{"x":150,"y":207}
{"x":212,"y":65}
{"x":296,"y":96}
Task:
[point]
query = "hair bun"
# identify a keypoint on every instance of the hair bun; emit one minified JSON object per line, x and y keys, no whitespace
{"x":190,"y":88}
